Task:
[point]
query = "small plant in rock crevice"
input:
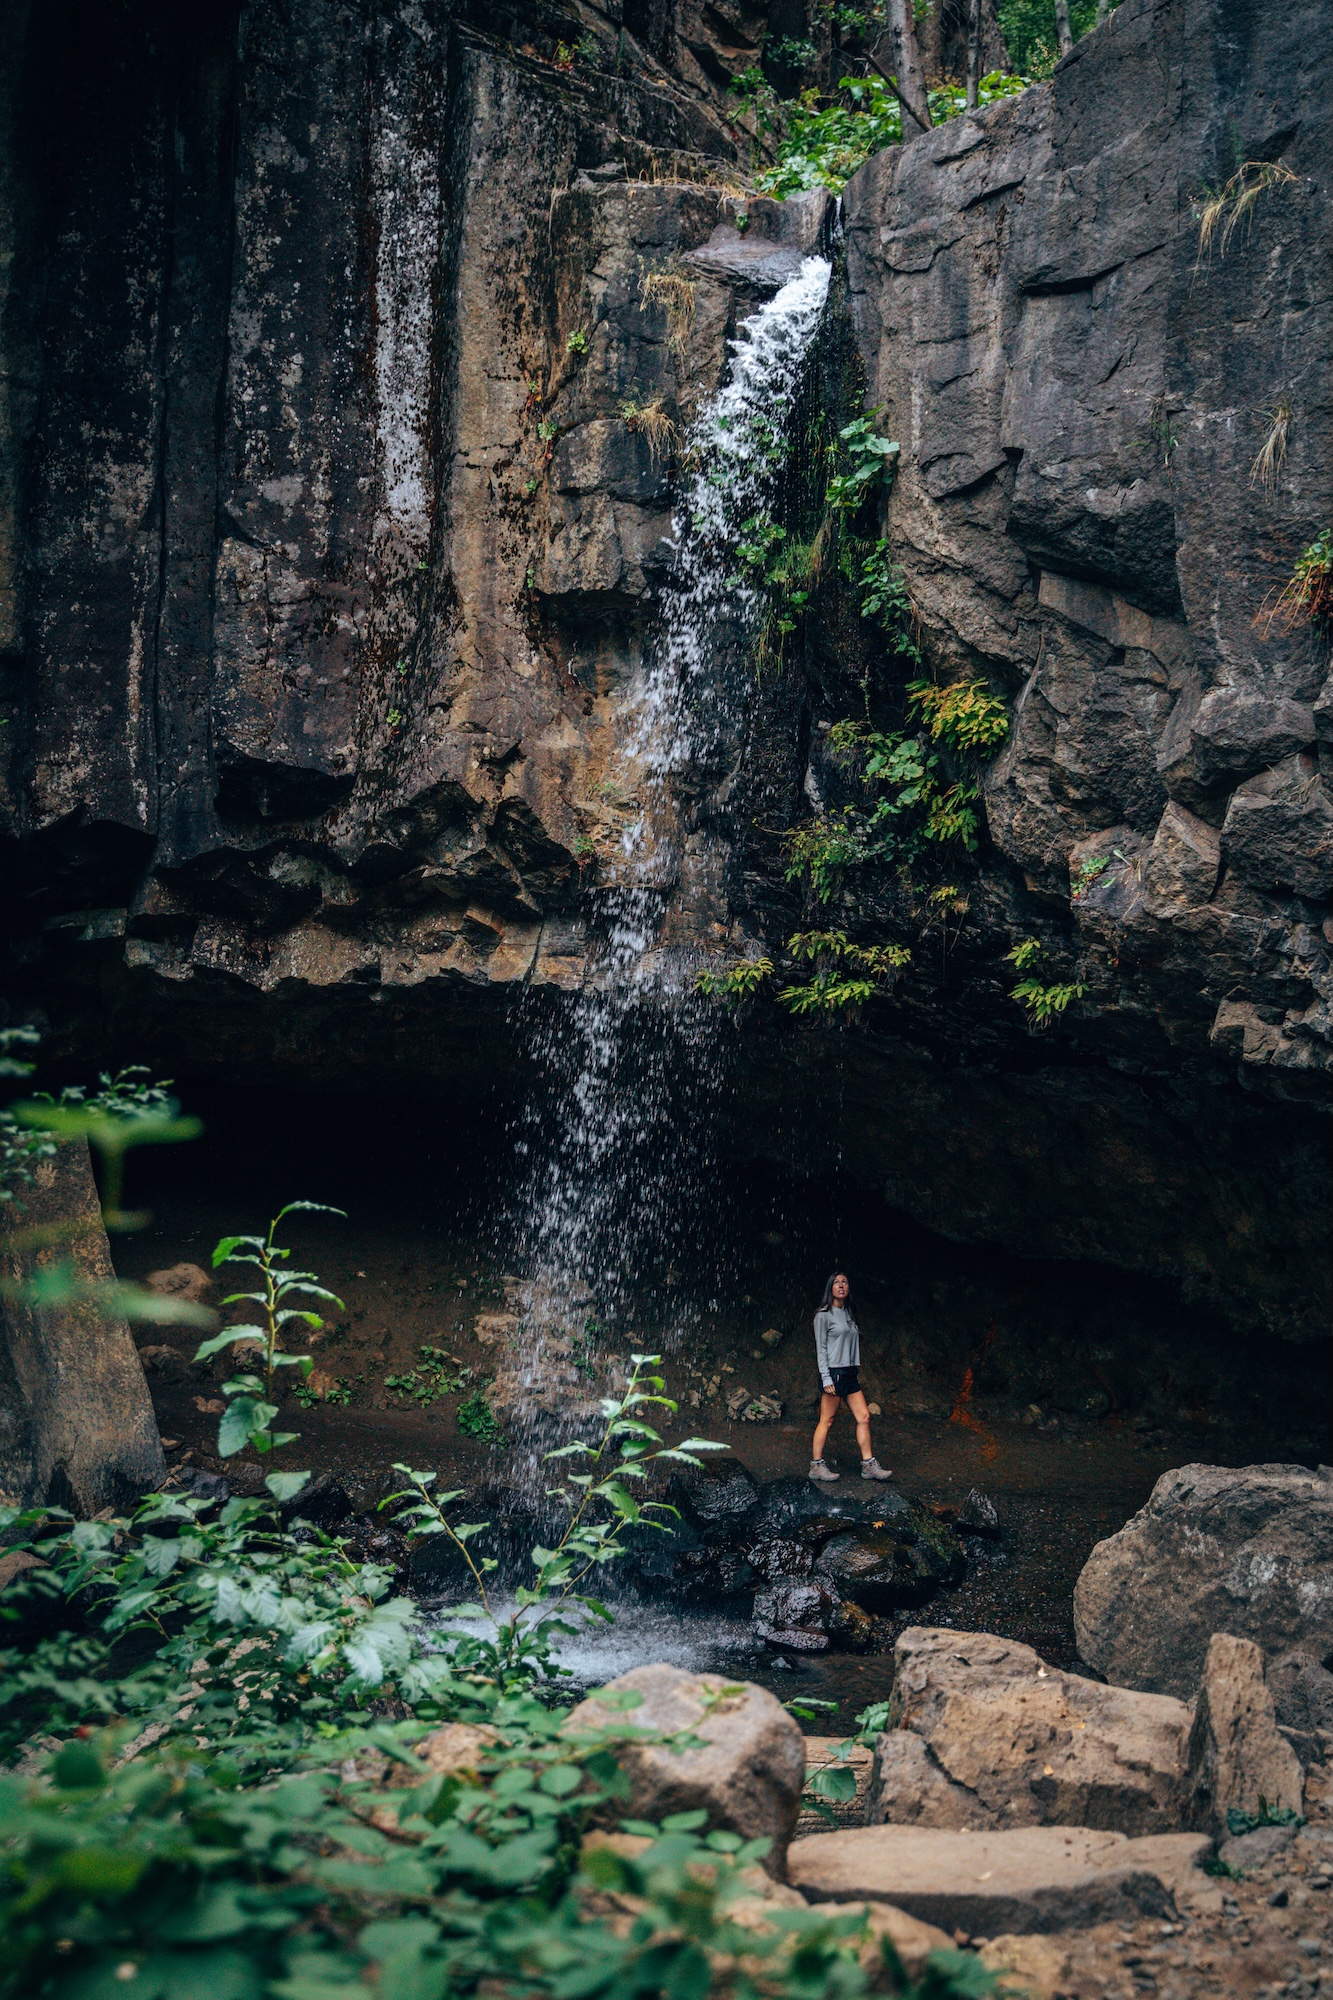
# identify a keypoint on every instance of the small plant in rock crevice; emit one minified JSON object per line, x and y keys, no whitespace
{"x":1308,"y":596}
{"x":674,"y":295}
{"x":1270,"y":460}
{"x":654,"y":424}
{"x":1043,"y":998}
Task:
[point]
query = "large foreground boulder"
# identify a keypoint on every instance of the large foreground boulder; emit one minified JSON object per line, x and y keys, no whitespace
{"x":749,"y":1775}
{"x":77,"y":1428}
{"x":1245,"y":1550}
{"x":1027,"y":1879}
{"x":985,"y":1735}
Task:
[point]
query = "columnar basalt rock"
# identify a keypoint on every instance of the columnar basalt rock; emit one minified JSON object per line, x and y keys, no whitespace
{"x":341,"y":527}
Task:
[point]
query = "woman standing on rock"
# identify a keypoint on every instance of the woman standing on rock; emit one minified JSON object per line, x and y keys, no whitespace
{"x":838,"y":1351}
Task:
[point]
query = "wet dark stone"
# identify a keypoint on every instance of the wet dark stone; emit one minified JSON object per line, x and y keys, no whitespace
{"x":783,"y":1556}
{"x":795,"y":1612}
{"x":713,"y":1576}
{"x":911,"y":1552}
{"x":325,"y":1502}
{"x":881,"y":1570}
{"x":978,"y":1515}
{"x":715,"y":1497}
{"x":853,"y":1630}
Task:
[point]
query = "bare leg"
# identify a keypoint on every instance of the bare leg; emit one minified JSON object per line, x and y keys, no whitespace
{"x":828,"y":1410}
{"x":860,"y":1410}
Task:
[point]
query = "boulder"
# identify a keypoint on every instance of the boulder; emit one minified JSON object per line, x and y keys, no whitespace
{"x":1239,"y":1763}
{"x":795,"y":1613}
{"x":749,"y":1776}
{"x":781,"y":1557}
{"x":909,"y":1788}
{"x":1245,"y":1852}
{"x":714,"y":1497}
{"x":978,"y":1515}
{"x":1301,"y":1685}
{"x":1278,"y":832}
{"x":853,"y":1630}
{"x":1247,"y":1550}
{"x":181,"y":1281}
{"x":1023,"y":1880}
{"x":76,"y":1421}
{"x":1013,"y":1742}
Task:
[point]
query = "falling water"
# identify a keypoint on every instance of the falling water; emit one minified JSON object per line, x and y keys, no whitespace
{"x":614,"y":1159}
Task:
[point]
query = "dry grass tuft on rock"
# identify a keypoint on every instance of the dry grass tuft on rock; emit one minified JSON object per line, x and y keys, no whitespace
{"x":675,"y":296}
{"x":1223,"y":209}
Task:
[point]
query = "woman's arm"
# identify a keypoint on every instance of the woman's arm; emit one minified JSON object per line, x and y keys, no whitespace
{"x":821,"y":1348}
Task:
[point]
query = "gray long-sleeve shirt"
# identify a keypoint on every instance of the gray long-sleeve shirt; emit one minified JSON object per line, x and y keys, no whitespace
{"x":837,"y":1341}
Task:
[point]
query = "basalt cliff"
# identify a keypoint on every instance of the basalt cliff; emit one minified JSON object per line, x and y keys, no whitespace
{"x":331,"y":534}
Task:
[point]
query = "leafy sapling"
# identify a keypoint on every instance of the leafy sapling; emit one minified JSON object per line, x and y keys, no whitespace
{"x":518,"y":1652}
{"x":248,"y":1418}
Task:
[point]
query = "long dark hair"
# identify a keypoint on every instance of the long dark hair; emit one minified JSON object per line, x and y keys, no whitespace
{"x":826,"y":1302}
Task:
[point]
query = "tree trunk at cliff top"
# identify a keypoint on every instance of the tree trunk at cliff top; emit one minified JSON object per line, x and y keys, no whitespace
{"x":907,"y":68}
{"x":973,"y":52}
{"x":1064,"y":32}
{"x":76,"y":1421}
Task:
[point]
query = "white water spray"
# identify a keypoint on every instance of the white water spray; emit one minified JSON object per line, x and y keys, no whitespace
{"x":611,"y":1169}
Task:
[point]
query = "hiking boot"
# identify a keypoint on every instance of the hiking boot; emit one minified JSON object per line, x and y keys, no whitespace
{"x":871,"y":1469}
{"x":819,"y":1469}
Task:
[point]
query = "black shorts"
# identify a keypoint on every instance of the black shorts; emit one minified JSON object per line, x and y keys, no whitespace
{"x":846,"y":1382}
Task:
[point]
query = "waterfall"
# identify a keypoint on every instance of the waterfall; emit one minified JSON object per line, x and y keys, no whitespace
{"x":613,"y":1162}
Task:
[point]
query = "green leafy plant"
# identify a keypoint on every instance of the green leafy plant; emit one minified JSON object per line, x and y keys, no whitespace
{"x":435,"y":1376}
{"x":249,"y":1415}
{"x":1308,"y":596}
{"x":1043,"y":998}
{"x":884,"y":598}
{"x":872,"y":462}
{"x":965,"y":715}
{"x":738,"y":983}
{"x":846,"y":975}
{"x":124,"y":1112}
{"x":476,"y":1419}
{"x":918,"y":802}
{"x":825,"y":139}
{"x":578,"y":341}
{"x":595,"y":1478}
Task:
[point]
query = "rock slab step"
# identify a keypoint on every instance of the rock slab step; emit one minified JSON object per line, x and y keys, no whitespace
{"x":1029,"y":1879}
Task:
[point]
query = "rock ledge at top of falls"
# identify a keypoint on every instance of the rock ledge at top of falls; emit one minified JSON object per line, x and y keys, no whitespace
{"x":1246,"y":1550}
